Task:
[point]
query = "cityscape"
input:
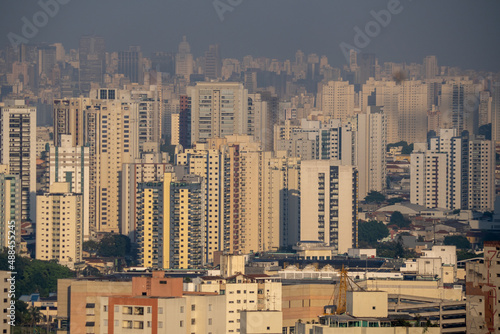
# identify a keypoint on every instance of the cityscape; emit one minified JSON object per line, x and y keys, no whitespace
{"x":249,"y":167}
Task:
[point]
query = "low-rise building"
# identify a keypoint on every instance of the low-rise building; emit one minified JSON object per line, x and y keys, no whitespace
{"x":482,"y":286}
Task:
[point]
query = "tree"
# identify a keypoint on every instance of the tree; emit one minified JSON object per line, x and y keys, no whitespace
{"x":457,"y":240}
{"x":464,"y":255}
{"x":36,"y":316}
{"x":374,"y":196}
{"x":485,"y":130}
{"x":90,"y":246}
{"x":114,"y":245}
{"x":392,"y":201}
{"x":35,"y":275}
{"x":394,"y":249}
{"x":372,"y":231}
{"x":406,"y":149}
{"x":398,"y":219}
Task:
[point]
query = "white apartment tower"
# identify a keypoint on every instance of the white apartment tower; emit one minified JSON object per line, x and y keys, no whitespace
{"x":218,"y":110}
{"x":18,"y":150}
{"x":59,"y":230}
{"x":429,"y":179}
{"x":370,"y":148}
{"x":457,"y":104}
{"x":338,"y":99}
{"x":412,"y":105}
{"x":384,"y":94}
{"x":453,"y":173}
{"x":329,"y":204}
{"x":112,"y":141}
{"x":71,"y":164}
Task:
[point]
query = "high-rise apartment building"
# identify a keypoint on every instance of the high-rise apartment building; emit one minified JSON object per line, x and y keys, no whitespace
{"x":429,"y":176}
{"x":329,"y":204}
{"x":484,"y":109}
{"x":370,"y":151}
{"x":10,"y":209}
{"x":150,"y":169}
{"x":183,"y":217}
{"x":69,"y":119}
{"x":18,"y":150}
{"x":338,"y":99}
{"x":439,"y":172}
{"x":481,"y":176}
{"x":210,"y":164}
{"x":453,"y":172}
{"x":384,"y":94}
{"x":69,"y":163}
{"x":92,"y":58}
{"x":59,"y":228}
{"x":217,"y":110}
{"x":412,"y":105}
{"x":112,"y":139}
{"x":457,"y":104}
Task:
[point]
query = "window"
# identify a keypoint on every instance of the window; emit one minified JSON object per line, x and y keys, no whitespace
{"x":160,"y":324}
{"x":182,"y":310}
{"x":193,"y":321}
{"x":181,"y":323}
{"x":209,"y":321}
{"x":160,"y":310}
{"x":193,"y":307}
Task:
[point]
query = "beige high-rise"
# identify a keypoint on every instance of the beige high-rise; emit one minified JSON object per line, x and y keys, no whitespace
{"x":59,"y":228}
{"x":338,"y":99}
{"x":329,"y":204}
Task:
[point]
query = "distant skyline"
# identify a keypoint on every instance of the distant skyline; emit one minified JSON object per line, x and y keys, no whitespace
{"x":459,"y":32}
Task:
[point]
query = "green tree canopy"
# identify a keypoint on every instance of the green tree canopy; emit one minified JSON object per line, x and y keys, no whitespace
{"x":407,"y":149}
{"x":35,"y":275}
{"x":114,"y":245}
{"x":90,"y":246}
{"x":372,"y":231}
{"x":398,"y":219}
{"x":465,"y":254}
{"x":374,"y":196}
{"x":394,"y":249}
{"x":392,"y":201}
{"x":457,"y":240}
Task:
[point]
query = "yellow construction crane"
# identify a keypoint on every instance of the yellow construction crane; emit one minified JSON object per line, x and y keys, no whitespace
{"x":345,"y":283}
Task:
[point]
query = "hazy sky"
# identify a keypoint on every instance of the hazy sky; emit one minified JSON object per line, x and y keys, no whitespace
{"x":461,"y":33}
